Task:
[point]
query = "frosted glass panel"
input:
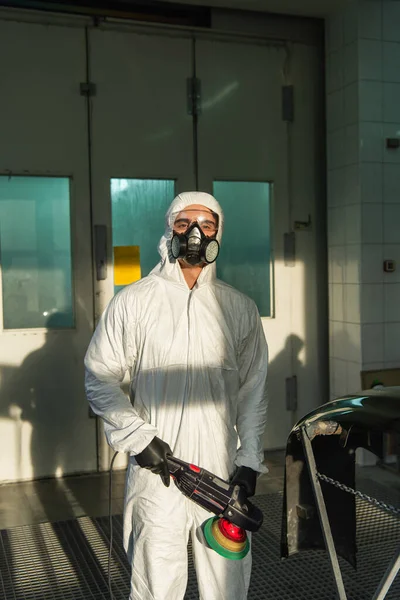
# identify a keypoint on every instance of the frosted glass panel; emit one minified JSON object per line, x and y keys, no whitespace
{"x":35,"y":241}
{"x":138,"y":217}
{"x":244,"y":261}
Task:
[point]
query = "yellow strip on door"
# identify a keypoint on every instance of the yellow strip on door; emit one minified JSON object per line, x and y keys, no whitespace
{"x":126,"y":264}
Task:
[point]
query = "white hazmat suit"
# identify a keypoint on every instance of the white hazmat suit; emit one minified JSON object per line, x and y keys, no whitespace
{"x":197,"y":361}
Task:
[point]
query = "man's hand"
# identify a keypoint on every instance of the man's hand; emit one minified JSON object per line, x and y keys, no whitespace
{"x":246,"y":478}
{"x":154,"y":458}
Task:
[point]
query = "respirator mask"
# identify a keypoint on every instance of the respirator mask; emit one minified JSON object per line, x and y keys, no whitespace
{"x":194,"y":237}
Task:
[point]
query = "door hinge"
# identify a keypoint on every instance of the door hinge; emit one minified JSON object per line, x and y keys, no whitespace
{"x":303,"y":225}
{"x":288,"y":103}
{"x":100,"y":251}
{"x":193,"y":91}
{"x":289,"y":249}
{"x":291,"y":393}
{"x":88,"y":89}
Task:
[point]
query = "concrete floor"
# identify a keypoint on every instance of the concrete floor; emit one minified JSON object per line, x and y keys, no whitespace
{"x":50,"y":500}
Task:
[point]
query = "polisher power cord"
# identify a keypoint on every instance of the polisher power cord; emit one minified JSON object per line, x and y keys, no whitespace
{"x":111,"y":526}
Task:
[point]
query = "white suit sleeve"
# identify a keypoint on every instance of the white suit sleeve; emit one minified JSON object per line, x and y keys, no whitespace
{"x":108,"y":357}
{"x":252,"y":402}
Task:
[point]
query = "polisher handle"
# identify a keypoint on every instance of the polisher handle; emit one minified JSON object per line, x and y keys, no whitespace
{"x":244,"y":513}
{"x":214,"y":494}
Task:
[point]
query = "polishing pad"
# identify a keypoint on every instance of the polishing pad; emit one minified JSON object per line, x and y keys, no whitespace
{"x":226,"y":539}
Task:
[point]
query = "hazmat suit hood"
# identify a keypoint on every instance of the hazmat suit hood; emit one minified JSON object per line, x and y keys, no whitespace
{"x":169,"y":267}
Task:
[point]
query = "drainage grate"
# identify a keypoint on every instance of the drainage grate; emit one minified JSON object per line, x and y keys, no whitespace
{"x":68,"y":560}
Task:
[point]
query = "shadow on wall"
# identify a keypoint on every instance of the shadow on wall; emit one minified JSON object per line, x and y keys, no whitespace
{"x":290,"y":358}
{"x":38,"y":392}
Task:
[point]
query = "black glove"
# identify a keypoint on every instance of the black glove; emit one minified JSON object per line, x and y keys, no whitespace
{"x":154,"y":458}
{"x":246,"y":478}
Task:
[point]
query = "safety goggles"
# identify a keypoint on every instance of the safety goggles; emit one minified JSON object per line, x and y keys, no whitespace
{"x":207,"y":221}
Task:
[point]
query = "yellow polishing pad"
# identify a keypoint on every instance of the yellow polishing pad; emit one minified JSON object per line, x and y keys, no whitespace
{"x":230,"y":545}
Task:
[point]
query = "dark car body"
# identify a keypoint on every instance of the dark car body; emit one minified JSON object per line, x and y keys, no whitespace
{"x":362,"y":420}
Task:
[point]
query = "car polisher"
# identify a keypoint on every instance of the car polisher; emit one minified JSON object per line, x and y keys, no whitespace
{"x":225,"y":533}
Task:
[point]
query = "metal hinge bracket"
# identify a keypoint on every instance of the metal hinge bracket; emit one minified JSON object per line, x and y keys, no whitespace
{"x":288,"y":103}
{"x":100,"y":251}
{"x":193,"y":90}
{"x":289,"y":249}
{"x":88,"y":89}
{"x":291,"y":393}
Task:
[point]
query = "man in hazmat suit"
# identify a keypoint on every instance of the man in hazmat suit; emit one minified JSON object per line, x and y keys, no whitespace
{"x":197,"y":357}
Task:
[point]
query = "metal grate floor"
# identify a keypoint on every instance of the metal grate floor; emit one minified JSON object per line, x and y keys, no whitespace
{"x":68,"y":560}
